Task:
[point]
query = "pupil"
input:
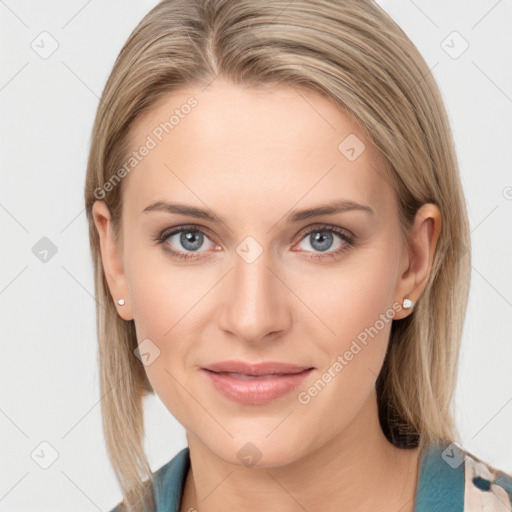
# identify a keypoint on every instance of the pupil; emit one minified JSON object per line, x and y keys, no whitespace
{"x":321,"y":237}
{"x":191,"y":240}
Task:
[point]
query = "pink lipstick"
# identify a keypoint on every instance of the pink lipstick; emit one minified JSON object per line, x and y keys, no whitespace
{"x":255,"y":384}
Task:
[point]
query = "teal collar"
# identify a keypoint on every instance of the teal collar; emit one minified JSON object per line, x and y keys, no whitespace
{"x":441,"y":480}
{"x":170,"y":482}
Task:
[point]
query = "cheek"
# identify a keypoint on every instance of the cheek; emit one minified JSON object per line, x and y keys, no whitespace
{"x":157,"y":295}
{"x":351,"y":297}
{"x":158,"y":289}
{"x":163,"y":314}
{"x":170,"y":306}
{"x":155,"y":307}
{"x":354,"y":310}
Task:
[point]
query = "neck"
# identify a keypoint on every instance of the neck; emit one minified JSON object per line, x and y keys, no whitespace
{"x":358,"y":469}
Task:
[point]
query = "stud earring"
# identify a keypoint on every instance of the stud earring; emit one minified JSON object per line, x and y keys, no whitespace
{"x":407,"y":303}
{"x":121,"y":302}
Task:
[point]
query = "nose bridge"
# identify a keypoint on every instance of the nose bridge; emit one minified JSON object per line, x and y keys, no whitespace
{"x":255,"y":305}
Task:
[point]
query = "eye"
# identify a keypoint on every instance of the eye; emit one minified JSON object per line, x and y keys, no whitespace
{"x":188,"y":239}
{"x":322,"y":239}
{"x":184,"y":242}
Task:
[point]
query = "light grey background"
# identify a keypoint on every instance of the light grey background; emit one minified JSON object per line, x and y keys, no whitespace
{"x":49,"y":380}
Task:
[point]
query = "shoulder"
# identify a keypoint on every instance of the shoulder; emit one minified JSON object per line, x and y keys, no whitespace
{"x":456,"y":480}
{"x":486,"y":486}
{"x":169,"y":482}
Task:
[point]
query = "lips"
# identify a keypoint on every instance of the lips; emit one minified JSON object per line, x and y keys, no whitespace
{"x":258,"y":369}
{"x":255,"y":384}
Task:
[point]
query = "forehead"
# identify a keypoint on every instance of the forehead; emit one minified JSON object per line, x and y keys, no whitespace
{"x":271,"y":144}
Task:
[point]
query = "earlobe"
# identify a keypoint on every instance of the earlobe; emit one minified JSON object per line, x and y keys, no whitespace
{"x":422,"y":242}
{"x":111,"y":259}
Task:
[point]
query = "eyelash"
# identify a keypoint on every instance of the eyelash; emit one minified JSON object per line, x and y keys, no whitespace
{"x":349,"y":240}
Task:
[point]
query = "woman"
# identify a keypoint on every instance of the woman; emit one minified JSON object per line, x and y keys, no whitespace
{"x":280,"y":244}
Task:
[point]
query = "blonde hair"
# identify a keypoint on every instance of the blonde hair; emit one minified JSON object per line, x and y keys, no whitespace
{"x":352,"y":52}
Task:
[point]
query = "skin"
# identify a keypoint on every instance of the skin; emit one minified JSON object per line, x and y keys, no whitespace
{"x":251,"y":156}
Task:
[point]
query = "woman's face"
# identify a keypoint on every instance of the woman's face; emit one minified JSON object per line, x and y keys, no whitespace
{"x":256,"y":286}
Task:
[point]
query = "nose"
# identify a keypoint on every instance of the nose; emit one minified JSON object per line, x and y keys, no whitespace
{"x":256,"y":301}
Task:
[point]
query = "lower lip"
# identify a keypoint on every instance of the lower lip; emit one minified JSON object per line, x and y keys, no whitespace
{"x":257,"y":390}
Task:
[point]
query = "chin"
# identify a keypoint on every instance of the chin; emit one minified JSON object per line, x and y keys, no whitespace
{"x":258,"y":452}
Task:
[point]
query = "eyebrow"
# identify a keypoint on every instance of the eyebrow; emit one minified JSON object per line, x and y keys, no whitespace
{"x":294,"y":216}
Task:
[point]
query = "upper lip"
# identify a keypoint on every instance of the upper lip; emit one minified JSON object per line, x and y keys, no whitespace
{"x":266,"y":368}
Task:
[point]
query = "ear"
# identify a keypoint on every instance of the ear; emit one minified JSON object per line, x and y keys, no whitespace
{"x":111,"y":258}
{"x":422,"y":240}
